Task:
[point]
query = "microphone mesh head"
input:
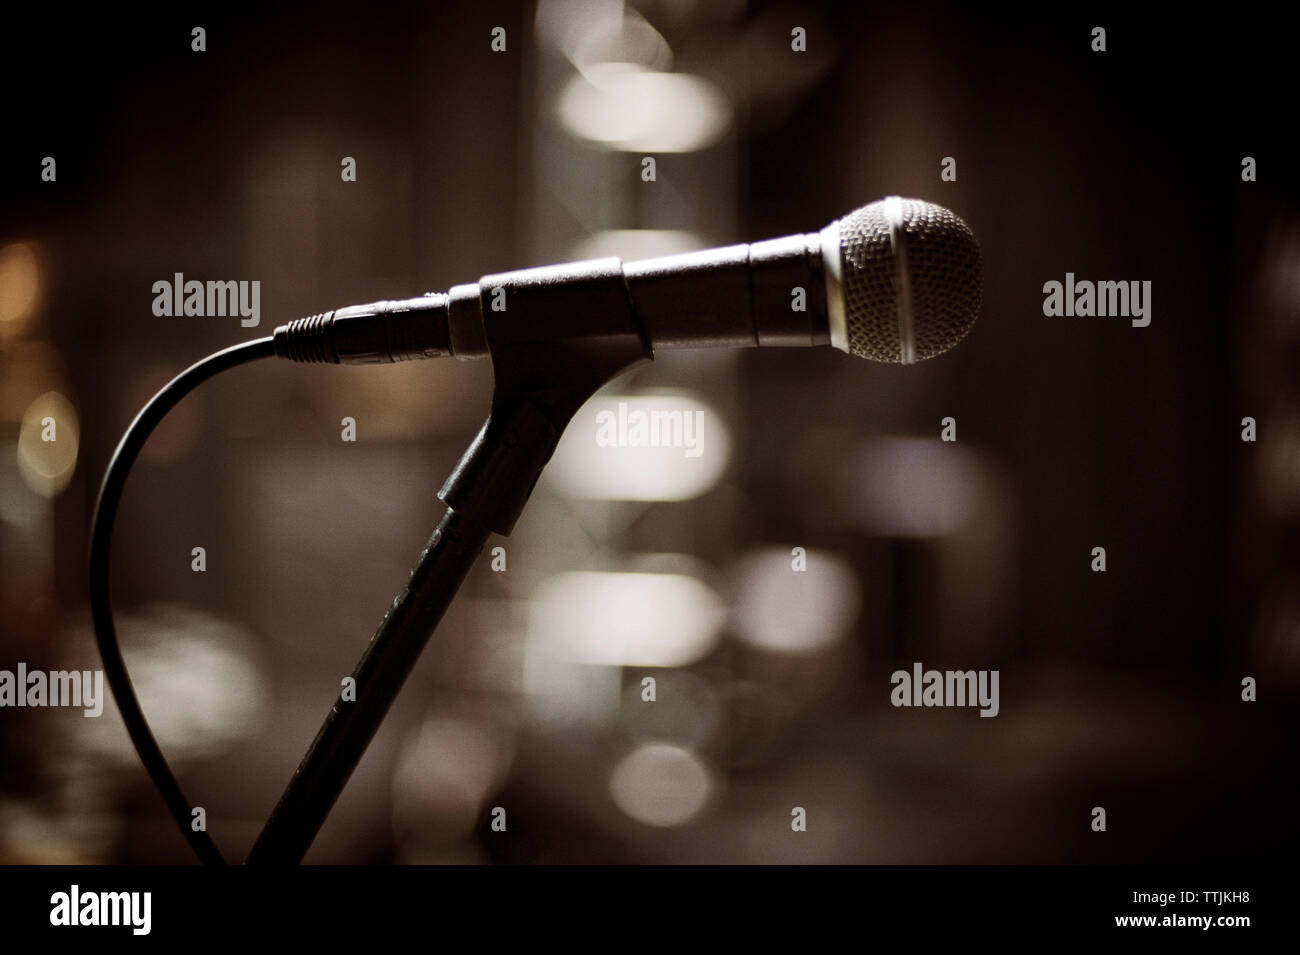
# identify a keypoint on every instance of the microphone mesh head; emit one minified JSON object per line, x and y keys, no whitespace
{"x":912,"y":280}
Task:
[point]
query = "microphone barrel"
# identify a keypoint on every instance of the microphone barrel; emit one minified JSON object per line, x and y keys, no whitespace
{"x":764,"y":294}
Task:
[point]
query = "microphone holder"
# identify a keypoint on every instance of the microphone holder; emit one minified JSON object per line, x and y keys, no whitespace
{"x":540,"y":384}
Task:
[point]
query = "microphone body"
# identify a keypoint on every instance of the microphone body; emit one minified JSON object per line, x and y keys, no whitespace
{"x":898,"y":280}
{"x":769,"y":293}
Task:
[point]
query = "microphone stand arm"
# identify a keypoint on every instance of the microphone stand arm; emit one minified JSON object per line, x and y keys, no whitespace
{"x":540,"y":384}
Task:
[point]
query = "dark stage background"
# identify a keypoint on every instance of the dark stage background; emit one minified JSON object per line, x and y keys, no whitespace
{"x":1120,"y":690}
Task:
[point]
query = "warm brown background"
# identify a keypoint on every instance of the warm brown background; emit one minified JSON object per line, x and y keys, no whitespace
{"x":1118,"y":689}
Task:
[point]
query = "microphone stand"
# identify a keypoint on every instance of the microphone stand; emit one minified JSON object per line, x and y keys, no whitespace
{"x":591,"y":336}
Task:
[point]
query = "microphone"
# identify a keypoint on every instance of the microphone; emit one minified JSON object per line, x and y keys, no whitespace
{"x":899,"y":280}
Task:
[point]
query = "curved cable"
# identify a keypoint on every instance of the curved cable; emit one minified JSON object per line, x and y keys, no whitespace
{"x":101,"y":537}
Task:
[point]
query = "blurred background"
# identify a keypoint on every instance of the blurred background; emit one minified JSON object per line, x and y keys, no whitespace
{"x":771,"y":686}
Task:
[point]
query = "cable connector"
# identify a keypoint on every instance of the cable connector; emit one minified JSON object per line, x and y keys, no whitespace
{"x":379,"y":333}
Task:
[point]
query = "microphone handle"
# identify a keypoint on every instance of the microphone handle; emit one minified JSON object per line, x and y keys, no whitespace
{"x":760,"y":294}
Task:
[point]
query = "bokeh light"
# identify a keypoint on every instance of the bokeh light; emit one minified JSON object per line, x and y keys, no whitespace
{"x":782,"y":609}
{"x":47,"y":443}
{"x":670,"y":446}
{"x":200,"y":679}
{"x":626,"y":619}
{"x":621,"y":106}
{"x":661,"y":785}
{"x":19,"y":288}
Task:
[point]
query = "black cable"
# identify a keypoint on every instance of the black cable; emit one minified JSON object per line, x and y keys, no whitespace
{"x":101,"y":537}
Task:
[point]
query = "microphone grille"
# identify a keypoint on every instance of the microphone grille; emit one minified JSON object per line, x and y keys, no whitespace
{"x":912,"y":280}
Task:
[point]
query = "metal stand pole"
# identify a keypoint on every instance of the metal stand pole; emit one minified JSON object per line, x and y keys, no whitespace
{"x":540,"y":384}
